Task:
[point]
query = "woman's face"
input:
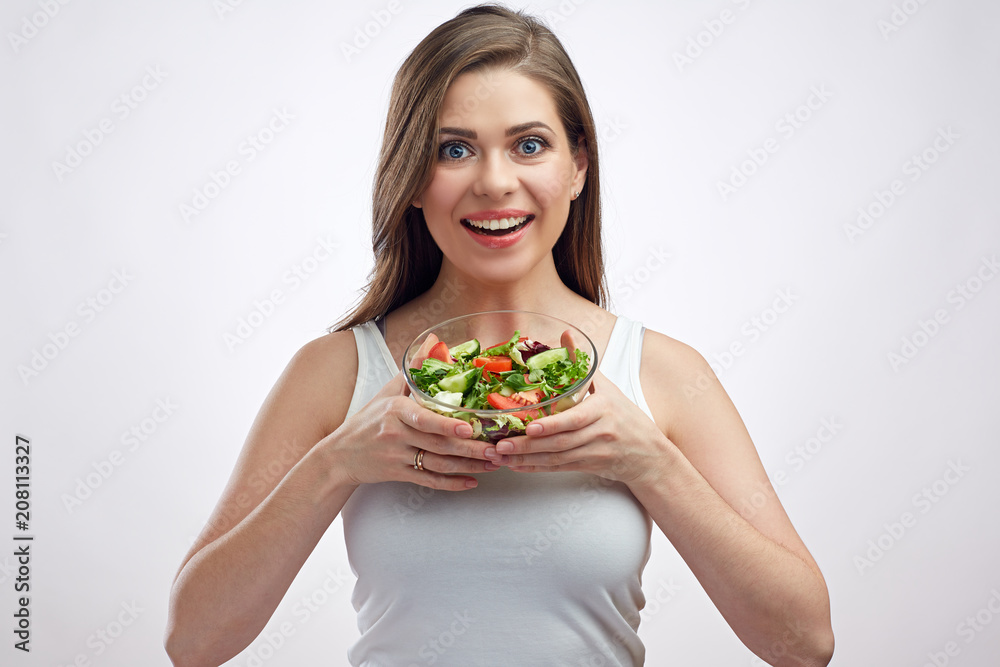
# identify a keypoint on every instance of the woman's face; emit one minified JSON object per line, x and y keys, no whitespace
{"x":504,"y":179}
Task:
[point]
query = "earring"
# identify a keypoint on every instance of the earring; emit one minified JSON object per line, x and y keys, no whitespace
{"x":575,"y":195}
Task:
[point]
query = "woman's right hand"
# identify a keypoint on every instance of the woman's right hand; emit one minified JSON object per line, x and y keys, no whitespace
{"x":381,"y":441}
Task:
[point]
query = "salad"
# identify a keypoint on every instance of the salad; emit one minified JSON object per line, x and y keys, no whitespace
{"x":513,"y":375}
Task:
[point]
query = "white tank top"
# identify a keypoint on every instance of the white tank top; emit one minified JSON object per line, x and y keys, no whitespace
{"x":527,"y":569}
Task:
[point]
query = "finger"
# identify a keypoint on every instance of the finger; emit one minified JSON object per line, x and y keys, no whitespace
{"x":579,"y":450}
{"x":455,"y":465}
{"x":440,"y":481}
{"x":565,"y":467}
{"x":579,"y":416}
{"x":465,"y":448}
{"x":556,"y":442}
{"x":421,"y":354}
{"x":567,"y":341}
{"x":575,"y":457}
{"x":427,"y":421}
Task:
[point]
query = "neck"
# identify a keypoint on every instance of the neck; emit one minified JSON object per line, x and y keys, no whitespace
{"x":457,"y":293}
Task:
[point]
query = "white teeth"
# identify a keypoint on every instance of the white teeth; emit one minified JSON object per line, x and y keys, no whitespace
{"x":502,"y":223}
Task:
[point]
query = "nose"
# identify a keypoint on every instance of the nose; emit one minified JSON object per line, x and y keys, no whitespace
{"x":496,"y":176}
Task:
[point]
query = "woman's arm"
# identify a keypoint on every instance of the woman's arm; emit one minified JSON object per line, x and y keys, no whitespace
{"x":270,"y":516}
{"x":300,"y":464}
{"x":697,"y":473}
{"x":710,"y":495}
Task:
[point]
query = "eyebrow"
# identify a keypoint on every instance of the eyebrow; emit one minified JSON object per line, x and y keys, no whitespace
{"x":511,"y":131}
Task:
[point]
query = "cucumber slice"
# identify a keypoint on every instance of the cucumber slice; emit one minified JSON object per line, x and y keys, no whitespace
{"x":469,"y":348}
{"x":461,"y":382}
{"x":543,"y":359}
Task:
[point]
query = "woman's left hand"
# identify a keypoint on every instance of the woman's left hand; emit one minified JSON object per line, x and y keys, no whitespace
{"x":606,"y":435}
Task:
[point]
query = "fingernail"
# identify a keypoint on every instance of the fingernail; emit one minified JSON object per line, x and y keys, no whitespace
{"x":490,"y":466}
{"x":505,"y":447}
{"x":533,"y":429}
{"x":463,"y":430}
{"x":491,"y":453}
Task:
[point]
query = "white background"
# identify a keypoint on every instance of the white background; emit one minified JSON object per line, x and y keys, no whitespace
{"x":672,"y":131}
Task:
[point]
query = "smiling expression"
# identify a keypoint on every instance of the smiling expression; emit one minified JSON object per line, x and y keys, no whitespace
{"x":504,"y":177}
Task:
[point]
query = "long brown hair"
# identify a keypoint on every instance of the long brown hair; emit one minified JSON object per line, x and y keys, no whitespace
{"x":482,"y":38}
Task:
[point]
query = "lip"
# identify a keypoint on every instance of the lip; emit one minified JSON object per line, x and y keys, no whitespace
{"x":497,"y":242}
{"x":497,"y":214}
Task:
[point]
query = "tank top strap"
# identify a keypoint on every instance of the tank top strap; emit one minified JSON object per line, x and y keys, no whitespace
{"x":623,"y":358}
{"x":375,"y":365}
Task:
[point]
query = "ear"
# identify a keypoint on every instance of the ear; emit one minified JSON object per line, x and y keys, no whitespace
{"x":416,"y":203}
{"x":581,"y":161}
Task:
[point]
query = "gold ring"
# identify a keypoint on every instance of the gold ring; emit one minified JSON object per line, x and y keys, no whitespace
{"x":418,"y":460}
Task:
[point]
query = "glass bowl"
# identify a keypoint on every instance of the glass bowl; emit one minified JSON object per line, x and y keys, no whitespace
{"x":491,"y":328}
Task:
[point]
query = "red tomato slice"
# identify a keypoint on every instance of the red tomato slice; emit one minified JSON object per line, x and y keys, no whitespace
{"x":440,"y":352}
{"x":499,"y":364}
{"x":501,"y":402}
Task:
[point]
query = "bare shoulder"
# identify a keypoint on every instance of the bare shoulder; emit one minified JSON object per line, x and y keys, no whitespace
{"x":692,"y":408}
{"x":308,"y":402}
{"x":673,"y":376}
{"x":318,"y":382}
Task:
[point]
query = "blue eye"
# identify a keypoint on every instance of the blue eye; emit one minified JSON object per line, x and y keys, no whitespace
{"x":532,"y":146}
{"x":454,"y":151}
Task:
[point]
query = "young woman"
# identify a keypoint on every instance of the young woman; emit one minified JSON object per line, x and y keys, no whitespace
{"x":488,"y":122}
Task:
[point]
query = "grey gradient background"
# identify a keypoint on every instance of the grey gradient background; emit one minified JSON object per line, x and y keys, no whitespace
{"x":683,"y":258}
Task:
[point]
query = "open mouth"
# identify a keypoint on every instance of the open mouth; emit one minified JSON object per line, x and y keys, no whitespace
{"x":498,"y":227}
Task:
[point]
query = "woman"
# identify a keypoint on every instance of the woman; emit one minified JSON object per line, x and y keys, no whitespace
{"x":488,"y":121}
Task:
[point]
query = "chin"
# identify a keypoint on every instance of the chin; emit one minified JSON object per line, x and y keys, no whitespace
{"x":501,"y":272}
